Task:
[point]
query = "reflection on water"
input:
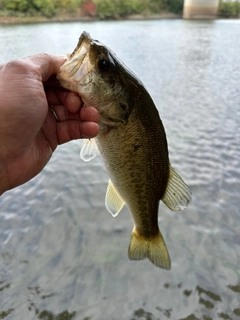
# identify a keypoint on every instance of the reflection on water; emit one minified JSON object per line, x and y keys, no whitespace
{"x":207,"y":300}
{"x":62,"y":256}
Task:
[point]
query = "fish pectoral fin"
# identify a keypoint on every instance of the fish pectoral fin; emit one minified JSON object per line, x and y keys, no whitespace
{"x":153,"y":248}
{"x":177,"y":195}
{"x":89,"y":150}
{"x":113,"y":200}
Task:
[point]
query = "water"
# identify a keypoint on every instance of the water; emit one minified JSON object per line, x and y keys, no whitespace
{"x":62,"y":256}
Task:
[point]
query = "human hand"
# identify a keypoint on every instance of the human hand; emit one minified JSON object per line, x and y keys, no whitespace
{"x":35,"y":117}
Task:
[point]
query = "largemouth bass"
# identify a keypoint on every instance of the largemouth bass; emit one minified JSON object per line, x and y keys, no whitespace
{"x":132,"y":142}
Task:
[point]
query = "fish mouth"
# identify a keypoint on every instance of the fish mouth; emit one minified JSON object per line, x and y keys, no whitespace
{"x":77,"y":65}
{"x":84,"y":40}
{"x":77,"y":58}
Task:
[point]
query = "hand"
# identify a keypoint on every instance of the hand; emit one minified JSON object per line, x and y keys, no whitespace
{"x":35,"y":117}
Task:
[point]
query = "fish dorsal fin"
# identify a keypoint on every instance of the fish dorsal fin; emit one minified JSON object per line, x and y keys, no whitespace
{"x":177,"y":195}
{"x":113,"y":200}
{"x":89,"y":149}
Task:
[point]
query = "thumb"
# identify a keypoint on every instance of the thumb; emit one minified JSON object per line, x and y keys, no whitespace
{"x":48,"y":65}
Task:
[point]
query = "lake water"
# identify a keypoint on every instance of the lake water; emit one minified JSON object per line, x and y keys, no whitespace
{"x":62,"y":255}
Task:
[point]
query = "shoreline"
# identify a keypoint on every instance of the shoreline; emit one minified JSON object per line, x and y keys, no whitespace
{"x":69,"y":18}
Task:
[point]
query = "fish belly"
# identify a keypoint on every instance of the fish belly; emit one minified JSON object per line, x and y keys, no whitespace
{"x":137,"y":163}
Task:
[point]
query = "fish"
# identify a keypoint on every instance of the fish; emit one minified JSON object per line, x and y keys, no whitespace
{"x":132,"y":142}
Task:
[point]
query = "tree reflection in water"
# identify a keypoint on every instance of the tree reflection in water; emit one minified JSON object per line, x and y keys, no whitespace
{"x":209,"y":305}
{"x":48,"y":315}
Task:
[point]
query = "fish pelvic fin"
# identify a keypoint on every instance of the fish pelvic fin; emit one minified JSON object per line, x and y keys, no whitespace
{"x":89,"y":149}
{"x":113,"y":200}
{"x":177,"y":195}
{"x":153,"y":248}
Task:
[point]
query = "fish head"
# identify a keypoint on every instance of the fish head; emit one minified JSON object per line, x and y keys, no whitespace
{"x":94,"y":72}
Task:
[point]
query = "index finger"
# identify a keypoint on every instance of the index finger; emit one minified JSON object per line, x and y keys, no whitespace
{"x":47,"y":64}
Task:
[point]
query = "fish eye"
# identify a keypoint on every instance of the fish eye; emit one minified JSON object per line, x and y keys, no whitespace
{"x":105,"y":65}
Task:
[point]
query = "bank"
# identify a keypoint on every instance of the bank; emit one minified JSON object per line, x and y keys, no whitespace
{"x":72,"y":18}
{"x":75,"y":18}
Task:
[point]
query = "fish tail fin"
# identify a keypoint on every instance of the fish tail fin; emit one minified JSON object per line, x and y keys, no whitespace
{"x":153,"y":248}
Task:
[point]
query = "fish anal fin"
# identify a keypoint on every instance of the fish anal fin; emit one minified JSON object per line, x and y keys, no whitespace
{"x":113,"y":200}
{"x":177,"y":195}
{"x":153,"y":248}
{"x":89,"y":150}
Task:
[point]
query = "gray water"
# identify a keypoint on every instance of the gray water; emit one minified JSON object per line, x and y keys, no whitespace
{"x":62,"y":256}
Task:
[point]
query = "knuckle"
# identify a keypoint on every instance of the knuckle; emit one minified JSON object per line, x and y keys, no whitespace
{"x":21,"y":67}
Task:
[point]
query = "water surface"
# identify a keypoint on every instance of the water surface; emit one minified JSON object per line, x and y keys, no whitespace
{"x":62,"y":256}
